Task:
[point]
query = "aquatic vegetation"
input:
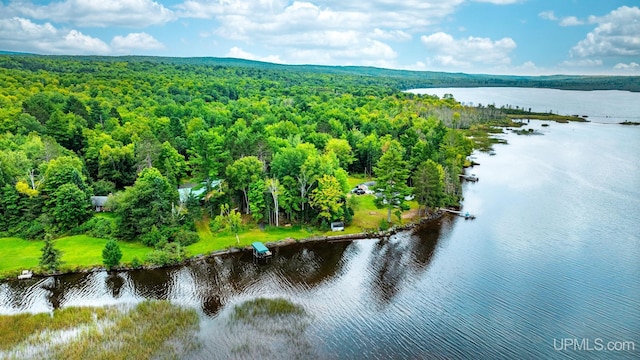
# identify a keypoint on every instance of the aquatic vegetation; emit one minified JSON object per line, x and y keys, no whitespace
{"x":265,"y":308}
{"x":268,"y":328}
{"x":152,"y":329}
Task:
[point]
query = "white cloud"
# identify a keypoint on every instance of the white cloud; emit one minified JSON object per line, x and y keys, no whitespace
{"x":90,"y":13}
{"x":565,"y":21}
{"x":236,"y":52}
{"x":468,"y":52}
{"x":322,"y":32}
{"x":548,"y":15}
{"x":583,"y":63}
{"x":500,"y":2}
{"x":397,"y":35}
{"x":383,"y":14}
{"x":615,"y":35}
{"x":21,"y":34}
{"x":630,"y":67}
{"x":571,"y":21}
{"x":135,"y":41}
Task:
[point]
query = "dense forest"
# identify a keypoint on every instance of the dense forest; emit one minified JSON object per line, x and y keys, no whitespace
{"x":256,"y":143}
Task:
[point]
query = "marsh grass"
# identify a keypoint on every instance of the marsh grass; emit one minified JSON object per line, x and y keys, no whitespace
{"x":152,"y":329}
{"x":268,"y":328}
{"x":262,"y":308}
{"x":16,"y":328}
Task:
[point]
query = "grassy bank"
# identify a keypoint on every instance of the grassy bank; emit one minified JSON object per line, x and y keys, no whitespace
{"x":152,"y":329}
{"x":83,"y":252}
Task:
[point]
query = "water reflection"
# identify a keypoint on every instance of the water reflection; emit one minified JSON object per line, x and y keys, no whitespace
{"x":399,"y":259}
{"x":153,"y":284}
{"x":114,"y":283}
{"x":212,"y":283}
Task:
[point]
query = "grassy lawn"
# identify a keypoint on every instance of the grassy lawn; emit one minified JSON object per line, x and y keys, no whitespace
{"x":77,"y":251}
{"x":367,"y":216}
{"x":18,"y":254}
{"x":83,"y":250}
{"x":210,"y":241}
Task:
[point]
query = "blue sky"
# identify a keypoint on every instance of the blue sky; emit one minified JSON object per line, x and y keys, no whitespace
{"x":474,"y":36}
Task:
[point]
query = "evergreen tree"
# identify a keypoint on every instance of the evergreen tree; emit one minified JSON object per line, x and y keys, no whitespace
{"x":51,"y":257}
{"x":428,"y":184}
{"x":111,"y":254}
{"x":391,"y":182}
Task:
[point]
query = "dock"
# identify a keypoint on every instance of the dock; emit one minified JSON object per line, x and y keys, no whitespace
{"x":261,"y":252}
{"x":465,"y":215}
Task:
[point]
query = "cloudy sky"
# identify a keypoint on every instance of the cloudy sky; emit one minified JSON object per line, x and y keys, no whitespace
{"x":472,"y":36}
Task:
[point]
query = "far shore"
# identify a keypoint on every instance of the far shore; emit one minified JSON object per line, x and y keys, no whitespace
{"x":552,"y":117}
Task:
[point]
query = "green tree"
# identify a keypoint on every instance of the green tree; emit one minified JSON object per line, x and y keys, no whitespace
{"x":171,"y":163}
{"x":257,"y":202}
{"x":63,"y":170}
{"x":111,"y":254}
{"x":51,"y":257}
{"x":428,"y":182}
{"x":343,"y":151}
{"x":242,"y":173}
{"x":39,"y":106}
{"x":206,"y":155}
{"x":273,"y":186}
{"x":69,"y":207}
{"x":328,"y":198}
{"x":117,"y":164}
{"x":232,"y":221}
{"x":391,"y":181}
{"x":145,"y":204}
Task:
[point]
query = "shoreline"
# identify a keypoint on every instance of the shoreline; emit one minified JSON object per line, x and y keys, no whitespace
{"x":366,"y":235}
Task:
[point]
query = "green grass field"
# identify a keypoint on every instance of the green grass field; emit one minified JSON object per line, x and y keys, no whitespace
{"x":77,"y":251}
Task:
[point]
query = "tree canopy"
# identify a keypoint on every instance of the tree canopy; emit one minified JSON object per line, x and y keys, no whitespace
{"x":276,"y":143}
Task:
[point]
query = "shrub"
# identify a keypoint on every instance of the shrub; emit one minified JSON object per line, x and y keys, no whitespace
{"x":384,"y":225}
{"x":186,"y":237}
{"x":170,"y":254}
{"x":153,"y":237}
{"x":36,"y":230}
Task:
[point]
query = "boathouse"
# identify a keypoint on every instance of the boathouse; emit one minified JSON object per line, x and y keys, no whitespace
{"x":260,"y":252}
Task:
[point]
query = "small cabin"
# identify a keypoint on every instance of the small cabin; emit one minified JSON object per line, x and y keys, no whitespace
{"x":260,"y":251}
{"x":99,"y":203}
{"x":337,"y":226}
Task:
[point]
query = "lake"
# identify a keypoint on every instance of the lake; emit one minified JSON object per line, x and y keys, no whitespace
{"x":552,"y":259}
{"x":606,"y":106}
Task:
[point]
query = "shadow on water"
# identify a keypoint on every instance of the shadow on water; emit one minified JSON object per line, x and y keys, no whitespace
{"x":298,"y":266}
{"x":402,"y":258}
{"x":153,"y":283}
{"x":114,"y":282}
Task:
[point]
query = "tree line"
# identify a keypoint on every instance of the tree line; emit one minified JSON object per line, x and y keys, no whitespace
{"x":268,"y":144}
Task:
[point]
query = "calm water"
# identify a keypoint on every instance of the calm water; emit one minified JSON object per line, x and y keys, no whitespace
{"x":554,"y":253}
{"x":606,"y":106}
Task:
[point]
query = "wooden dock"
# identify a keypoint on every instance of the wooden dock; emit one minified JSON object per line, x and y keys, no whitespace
{"x":465,"y":215}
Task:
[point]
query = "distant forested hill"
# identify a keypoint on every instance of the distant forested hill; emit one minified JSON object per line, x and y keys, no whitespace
{"x":397,"y":79}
